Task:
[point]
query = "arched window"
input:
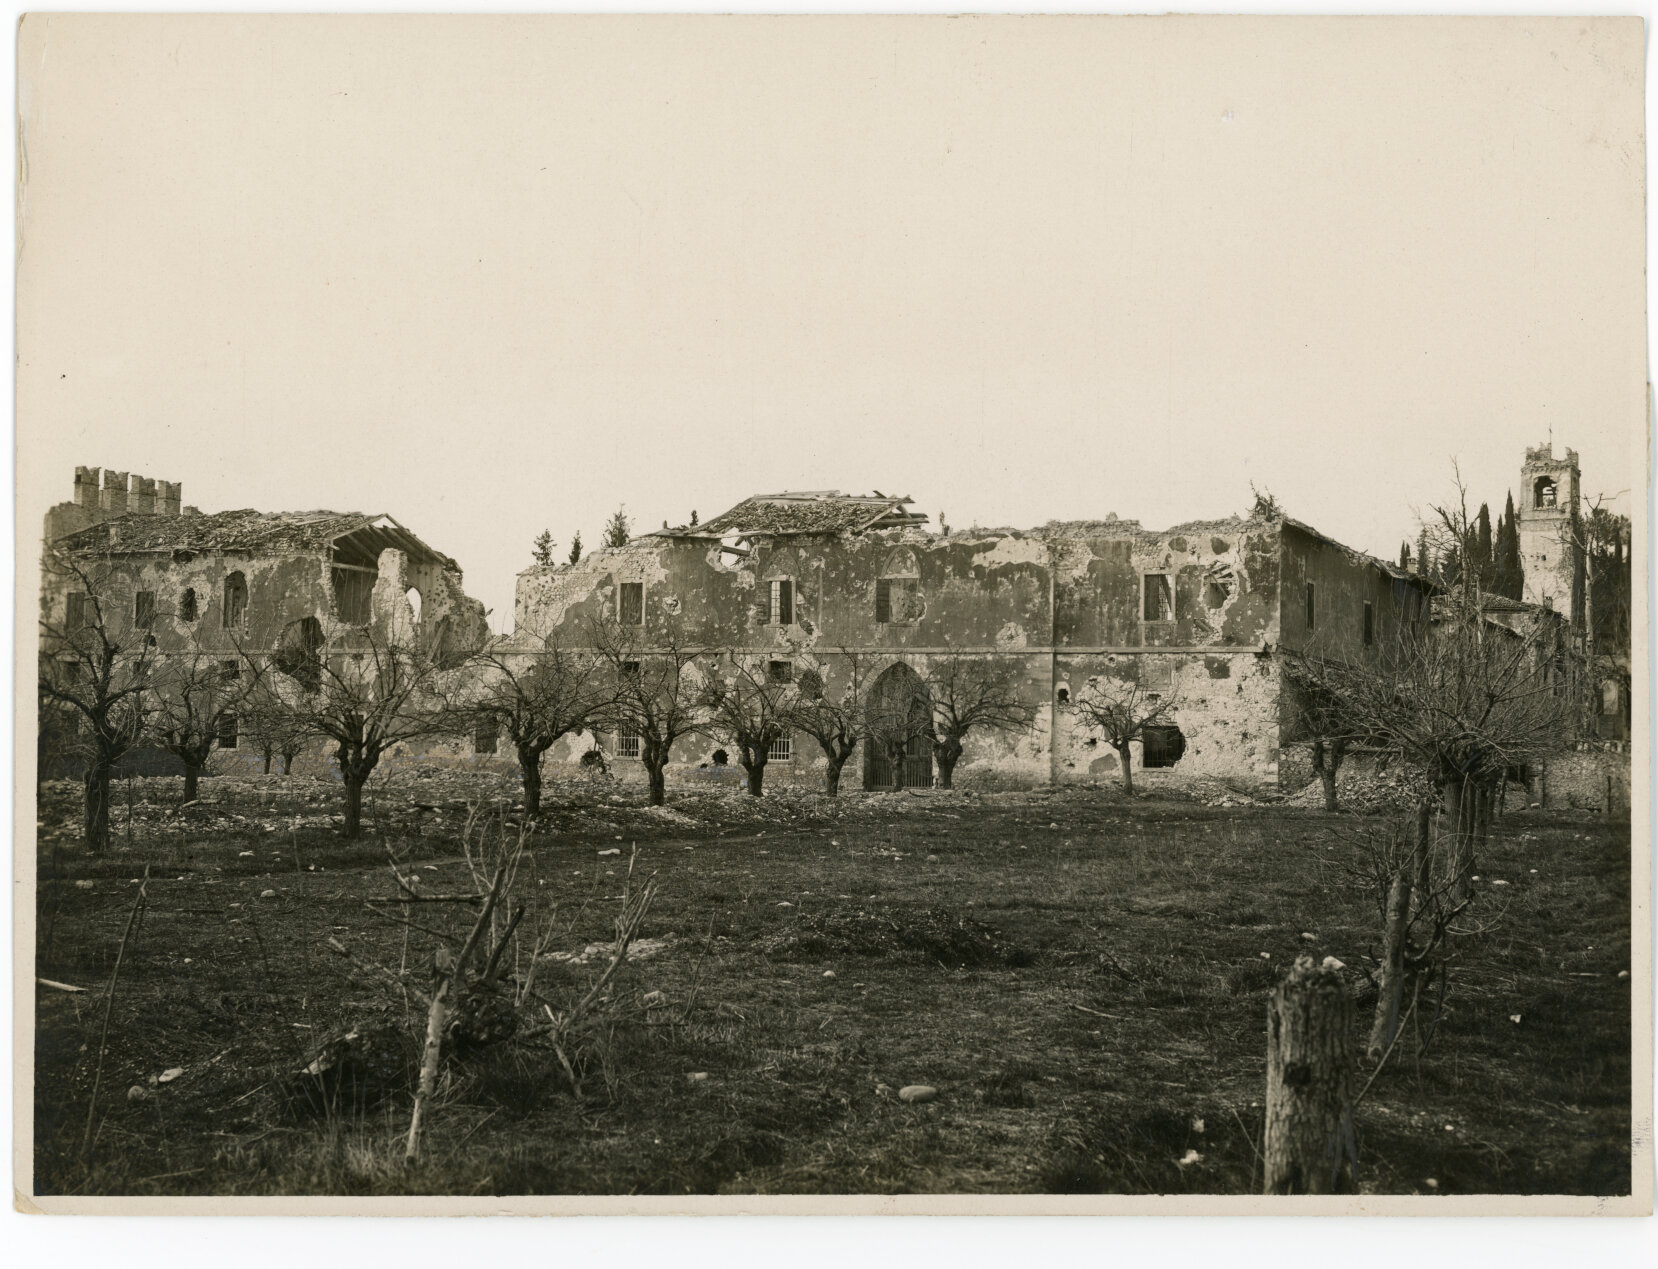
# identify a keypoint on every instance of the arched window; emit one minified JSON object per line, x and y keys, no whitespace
{"x":236,"y":602}
{"x":1544,"y":492}
{"x":187,"y":604}
{"x":898,"y":597}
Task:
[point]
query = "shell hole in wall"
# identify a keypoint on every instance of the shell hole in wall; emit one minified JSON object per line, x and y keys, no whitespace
{"x":1063,"y":695}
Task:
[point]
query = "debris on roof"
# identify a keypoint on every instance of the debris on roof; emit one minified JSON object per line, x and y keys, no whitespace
{"x":805,"y":512}
{"x":352,"y":536}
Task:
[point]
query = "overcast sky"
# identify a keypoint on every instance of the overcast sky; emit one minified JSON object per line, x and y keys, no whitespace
{"x":494,"y":276}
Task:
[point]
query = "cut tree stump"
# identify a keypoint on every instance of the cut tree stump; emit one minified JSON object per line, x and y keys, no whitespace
{"x":1309,"y":1115}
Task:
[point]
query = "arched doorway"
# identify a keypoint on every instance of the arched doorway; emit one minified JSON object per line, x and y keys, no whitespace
{"x":898,"y":748}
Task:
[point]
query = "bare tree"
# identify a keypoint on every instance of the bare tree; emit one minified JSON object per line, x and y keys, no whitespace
{"x":1122,"y":710}
{"x":750,"y":707}
{"x":534,"y":699}
{"x":836,"y":721}
{"x":1316,"y":716}
{"x":378,"y":695}
{"x":273,"y":723}
{"x":968,"y":693}
{"x":1461,"y":702}
{"x":655,"y":695}
{"x":95,"y":680}
{"x":195,"y":706}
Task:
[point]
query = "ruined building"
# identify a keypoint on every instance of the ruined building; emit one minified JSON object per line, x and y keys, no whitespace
{"x":801,"y":580}
{"x":292,"y":585}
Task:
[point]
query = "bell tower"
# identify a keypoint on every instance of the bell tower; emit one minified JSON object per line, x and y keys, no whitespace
{"x":1549,"y":529}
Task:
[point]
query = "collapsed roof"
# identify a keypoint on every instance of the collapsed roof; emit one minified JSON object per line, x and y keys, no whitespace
{"x":804,"y":513}
{"x":351,"y":536}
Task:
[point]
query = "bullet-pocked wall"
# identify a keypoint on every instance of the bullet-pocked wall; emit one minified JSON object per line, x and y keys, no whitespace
{"x":1196,"y":611}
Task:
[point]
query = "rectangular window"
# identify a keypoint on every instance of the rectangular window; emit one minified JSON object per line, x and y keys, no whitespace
{"x":627,"y":743}
{"x":227,"y":729}
{"x":780,"y":603}
{"x":633,"y":603}
{"x":1369,"y":624}
{"x":782,"y":749}
{"x":1158,"y":601}
{"x":143,"y":609}
{"x":229,"y":671}
{"x":630,"y":669}
{"x":75,"y":615}
{"x":883,"y":601}
{"x":780,"y":671}
{"x":484,"y":738}
{"x":1312,"y":608}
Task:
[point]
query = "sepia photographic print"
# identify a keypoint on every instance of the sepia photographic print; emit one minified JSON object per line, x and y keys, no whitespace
{"x":832,"y":614}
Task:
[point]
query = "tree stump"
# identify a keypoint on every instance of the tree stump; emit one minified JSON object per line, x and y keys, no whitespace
{"x":1309,"y":1115}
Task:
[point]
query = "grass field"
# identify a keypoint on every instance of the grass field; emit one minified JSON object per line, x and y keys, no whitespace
{"x":1082,"y":978}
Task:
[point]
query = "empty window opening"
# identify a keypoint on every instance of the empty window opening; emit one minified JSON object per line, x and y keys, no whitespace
{"x":1162,"y":746}
{"x":627,"y":743}
{"x":353,"y":586}
{"x":187,"y":604}
{"x":143,"y":609}
{"x":630,"y":669}
{"x":75,"y":613}
{"x":1312,"y":607}
{"x":229,"y":671}
{"x":780,"y":671}
{"x":1369,"y":624}
{"x":782,"y":749}
{"x":226,"y":729}
{"x":1064,"y":695}
{"x":811,"y":685}
{"x":780,"y":602}
{"x":415,"y":600}
{"x":719,"y":758}
{"x":1544,"y":492}
{"x":235,"y":611}
{"x":484,"y":738}
{"x":1158,"y":600}
{"x":883,"y":601}
{"x":633,"y":603}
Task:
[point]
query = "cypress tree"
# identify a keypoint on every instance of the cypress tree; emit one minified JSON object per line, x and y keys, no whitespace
{"x":1483,"y":565}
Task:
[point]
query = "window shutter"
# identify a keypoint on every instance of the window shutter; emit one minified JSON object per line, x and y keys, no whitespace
{"x":785,"y":603}
{"x":883,"y":601}
{"x":768,"y":607}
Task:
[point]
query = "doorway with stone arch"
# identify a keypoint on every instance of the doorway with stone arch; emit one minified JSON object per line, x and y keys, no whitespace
{"x":898,"y":744}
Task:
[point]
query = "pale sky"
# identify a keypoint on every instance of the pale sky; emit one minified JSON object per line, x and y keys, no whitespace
{"x":498,"y":275}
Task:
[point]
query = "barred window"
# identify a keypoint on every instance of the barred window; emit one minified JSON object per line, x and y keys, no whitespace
{"x":484,"y":738}
{"x":226,"y":728}
{"x":627,"y":743}
{"x":782,"y":749}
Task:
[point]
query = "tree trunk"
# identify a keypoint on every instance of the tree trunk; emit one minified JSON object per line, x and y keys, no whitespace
{"x":1328,"y":777}
{"x":756,"y":773}
{"x":946,"y":769}
{"x":353,"y":806}
{"x":832,"y":777}
{"x":266,"y":754}
{"x":287,"y":764}
{"x":529,"y":764}
{"x":1410,"y":873}
{"x":1459,"y":821}
{"x":1123,"y":757}
{"x":1309,"y":1144}
{"x":191,"y":774}
{"x":97,"y":803}
{"x":437,"y":1022}
{"x":658,"y":783}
